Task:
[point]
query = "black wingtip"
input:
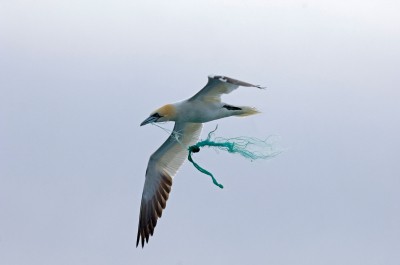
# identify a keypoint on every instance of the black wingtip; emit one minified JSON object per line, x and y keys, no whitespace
{"x":137,"y":241}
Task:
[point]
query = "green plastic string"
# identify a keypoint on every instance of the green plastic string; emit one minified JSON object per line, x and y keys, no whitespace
{"x":248,"y":147}
{"x":195,"y":149}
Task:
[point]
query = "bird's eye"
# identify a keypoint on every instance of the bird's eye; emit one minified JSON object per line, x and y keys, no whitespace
{"x":156,"y":115}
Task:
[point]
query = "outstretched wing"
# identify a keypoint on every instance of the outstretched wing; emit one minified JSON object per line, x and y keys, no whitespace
{"x":162,"y":167}
{"x":218,"y":85}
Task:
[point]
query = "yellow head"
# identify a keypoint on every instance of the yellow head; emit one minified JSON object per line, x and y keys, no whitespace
{"x":165,"y":113}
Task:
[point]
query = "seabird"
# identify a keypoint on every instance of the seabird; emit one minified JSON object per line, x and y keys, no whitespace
{"x":189,"y":116}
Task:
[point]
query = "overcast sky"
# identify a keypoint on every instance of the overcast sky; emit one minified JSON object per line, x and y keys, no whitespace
{"x":78,"y":77}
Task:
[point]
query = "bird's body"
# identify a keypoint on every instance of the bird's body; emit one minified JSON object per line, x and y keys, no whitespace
{"x":188,"y":116}
{"x":199,"y":111}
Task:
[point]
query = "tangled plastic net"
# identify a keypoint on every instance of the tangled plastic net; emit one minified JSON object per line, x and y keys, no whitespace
{"x":248,"y":147}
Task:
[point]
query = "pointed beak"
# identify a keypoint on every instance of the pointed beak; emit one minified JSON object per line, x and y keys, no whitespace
{"x":149,"y":120}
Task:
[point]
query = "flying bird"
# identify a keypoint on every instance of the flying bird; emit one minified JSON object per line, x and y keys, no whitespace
{"x":189,"y":116}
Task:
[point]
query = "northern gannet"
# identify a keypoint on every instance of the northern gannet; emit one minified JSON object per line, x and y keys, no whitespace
{"x":188,"y":116}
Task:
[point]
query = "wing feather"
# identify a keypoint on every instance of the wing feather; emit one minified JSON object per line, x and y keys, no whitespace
{"x":162,"y":167}
{"x":218,"y":85}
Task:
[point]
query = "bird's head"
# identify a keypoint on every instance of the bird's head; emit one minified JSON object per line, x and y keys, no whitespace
{"x":165,"y":113}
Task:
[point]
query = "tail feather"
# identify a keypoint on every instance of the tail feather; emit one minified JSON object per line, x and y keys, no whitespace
{"x":247,"y":111}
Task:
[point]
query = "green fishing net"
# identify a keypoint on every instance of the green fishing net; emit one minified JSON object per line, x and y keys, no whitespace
{"x":248,"y":147}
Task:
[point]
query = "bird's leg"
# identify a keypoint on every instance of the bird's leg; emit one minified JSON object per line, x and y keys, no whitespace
{"x":229,"y":107}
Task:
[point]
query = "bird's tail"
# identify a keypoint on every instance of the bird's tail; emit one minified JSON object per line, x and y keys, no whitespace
{"x":247,"y":111}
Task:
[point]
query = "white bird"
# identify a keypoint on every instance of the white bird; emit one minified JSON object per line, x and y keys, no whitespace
{"x":188,"y":116}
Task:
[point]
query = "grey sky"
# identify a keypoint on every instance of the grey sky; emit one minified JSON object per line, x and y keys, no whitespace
{"x":78,"y":77}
